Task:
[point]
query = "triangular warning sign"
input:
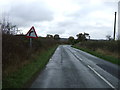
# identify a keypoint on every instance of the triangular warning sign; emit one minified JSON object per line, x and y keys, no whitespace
{"x":32,"y":33}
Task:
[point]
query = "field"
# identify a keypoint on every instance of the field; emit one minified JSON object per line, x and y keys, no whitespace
{"x":108,"y":50}
{"x":23,"y":76}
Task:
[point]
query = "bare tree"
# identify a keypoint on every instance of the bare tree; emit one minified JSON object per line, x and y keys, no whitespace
{"x":7,"y":27}
{"x":71,"y":40}
{"x":108,"y":37}
{"x":49,"y":36}
{"x":56,"y":37}
{"x":82,"y":37}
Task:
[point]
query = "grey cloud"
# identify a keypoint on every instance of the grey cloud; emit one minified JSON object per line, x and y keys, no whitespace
{"x":27,"y":13}
{"x":85,"y":11}
{"x":73,"y":28}
{"x":63,"y":27}
{"x":36,"y":13}
{"x":67,"y":23}
{"x":56,"y":30}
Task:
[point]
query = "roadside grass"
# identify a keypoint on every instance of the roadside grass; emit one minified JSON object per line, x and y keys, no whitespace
{"x":19,"y":78}
{"x":100,"y":55}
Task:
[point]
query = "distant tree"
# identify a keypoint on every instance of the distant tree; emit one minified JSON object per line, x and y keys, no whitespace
{"x":71,"y":40}
{"x":86,"y":35}
{"x":108,"y":37}
{"x":49,"y":36}
{"x":56,"y":37}
{"x":82,"y":37}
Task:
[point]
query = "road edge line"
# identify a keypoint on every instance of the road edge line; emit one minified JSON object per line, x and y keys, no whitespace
{"x":101,"y":77}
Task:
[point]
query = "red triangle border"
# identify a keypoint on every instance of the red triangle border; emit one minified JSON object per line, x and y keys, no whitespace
{"x":29,"y":32}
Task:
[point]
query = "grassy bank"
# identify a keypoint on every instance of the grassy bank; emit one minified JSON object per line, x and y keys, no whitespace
{"x":16,"y":51}
{"x":109,"y":58}
{"x":19,"y":78}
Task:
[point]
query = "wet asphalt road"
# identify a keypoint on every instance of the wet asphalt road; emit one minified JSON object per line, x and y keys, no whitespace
{"x":73,"y":68}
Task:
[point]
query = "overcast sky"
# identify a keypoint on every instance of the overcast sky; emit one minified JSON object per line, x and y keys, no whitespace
{"x":63,"y":17}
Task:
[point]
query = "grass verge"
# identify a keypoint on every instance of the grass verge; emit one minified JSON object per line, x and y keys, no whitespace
{"x":18,"y":79}
{"x":100,"y":55}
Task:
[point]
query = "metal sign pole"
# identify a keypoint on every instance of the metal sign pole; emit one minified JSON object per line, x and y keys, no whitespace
{"x":31,"y":43}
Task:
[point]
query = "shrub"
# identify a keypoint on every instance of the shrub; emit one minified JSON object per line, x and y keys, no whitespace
{"x":110,"y":46}
{"x":16,"y":50}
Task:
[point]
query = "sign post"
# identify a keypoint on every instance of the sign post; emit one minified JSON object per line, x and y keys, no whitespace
{"x":30,"y":42}
{"x":31,"y":34}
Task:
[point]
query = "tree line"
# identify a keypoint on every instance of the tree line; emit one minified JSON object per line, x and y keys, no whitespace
{"x":81,"y":37}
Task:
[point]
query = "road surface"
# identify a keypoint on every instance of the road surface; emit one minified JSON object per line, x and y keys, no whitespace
{"x":73,"y":68}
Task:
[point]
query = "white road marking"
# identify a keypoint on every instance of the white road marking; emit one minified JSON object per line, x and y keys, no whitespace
{"x":75,"y":55}
{"x":101,"y":77}
{"x":78,"y":57}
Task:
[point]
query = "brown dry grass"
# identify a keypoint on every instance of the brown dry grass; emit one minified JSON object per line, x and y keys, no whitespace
{"x":14,"y":68}
{"x":16,"y":51}
{"x":106,"y":52}
{"x":110,"y":48}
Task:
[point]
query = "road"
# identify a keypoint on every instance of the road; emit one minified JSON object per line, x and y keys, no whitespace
{"x":73,"y":68}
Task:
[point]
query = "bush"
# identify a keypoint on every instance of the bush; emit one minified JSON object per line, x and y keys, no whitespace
{"x":109,"y":46}
{"x":16,"y":50}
